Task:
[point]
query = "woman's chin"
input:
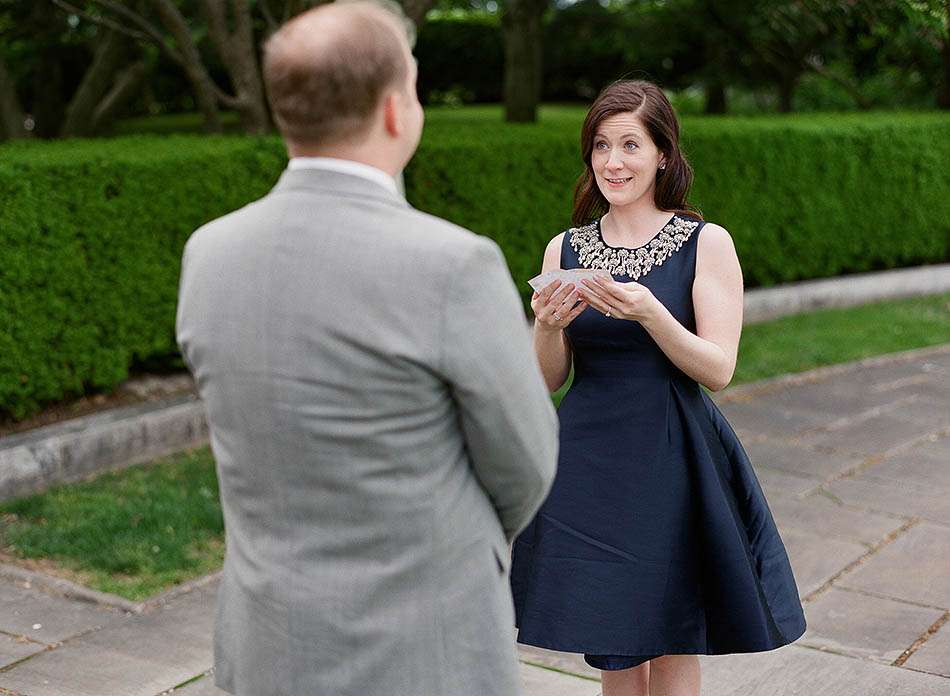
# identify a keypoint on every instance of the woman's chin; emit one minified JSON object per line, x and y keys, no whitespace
{"x":619,"y":198}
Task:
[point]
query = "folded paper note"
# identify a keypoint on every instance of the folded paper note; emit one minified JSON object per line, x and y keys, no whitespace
{"x":569,"y":275}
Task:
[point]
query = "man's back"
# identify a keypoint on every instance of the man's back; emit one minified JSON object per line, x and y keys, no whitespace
{"x":380,"y":428}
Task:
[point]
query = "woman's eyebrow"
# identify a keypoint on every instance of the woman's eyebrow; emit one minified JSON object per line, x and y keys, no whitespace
{"x":625,"y":135}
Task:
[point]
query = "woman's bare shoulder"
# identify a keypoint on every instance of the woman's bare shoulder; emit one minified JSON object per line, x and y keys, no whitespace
{"x":552,"y":254}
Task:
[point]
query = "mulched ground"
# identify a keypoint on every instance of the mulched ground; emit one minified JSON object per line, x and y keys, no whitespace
{"x":139,"y":389}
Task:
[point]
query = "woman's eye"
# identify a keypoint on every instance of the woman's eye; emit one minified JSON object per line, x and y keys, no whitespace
{"x":630,"y":145}
{"x":601,"y":145}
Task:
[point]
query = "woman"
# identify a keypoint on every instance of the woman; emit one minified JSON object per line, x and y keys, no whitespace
{"x":655,"y":543}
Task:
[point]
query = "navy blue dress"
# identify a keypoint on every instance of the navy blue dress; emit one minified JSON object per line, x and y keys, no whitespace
{"x":656,"y":538}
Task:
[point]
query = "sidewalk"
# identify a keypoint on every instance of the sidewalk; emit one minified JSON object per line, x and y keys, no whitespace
{"x":855,"y":462}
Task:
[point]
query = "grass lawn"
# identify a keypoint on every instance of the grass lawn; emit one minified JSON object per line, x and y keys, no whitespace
{"x":133,"y":532}
{"x":142,"y":530}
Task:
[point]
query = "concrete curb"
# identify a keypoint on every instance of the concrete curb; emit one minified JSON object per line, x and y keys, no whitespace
{"x":762,"y":304}
{"x":72,"y":590}
{"x":72,"y":450}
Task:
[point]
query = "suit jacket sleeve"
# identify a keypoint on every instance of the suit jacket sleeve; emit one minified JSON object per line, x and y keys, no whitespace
{"x":505,"y":411}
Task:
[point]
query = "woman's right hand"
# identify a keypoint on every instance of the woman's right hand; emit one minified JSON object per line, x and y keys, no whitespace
{"x":555,"y":307}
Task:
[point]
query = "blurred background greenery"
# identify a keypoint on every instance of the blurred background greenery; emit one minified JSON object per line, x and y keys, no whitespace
{"x":819,"y":131}
{"x":79,"y":67}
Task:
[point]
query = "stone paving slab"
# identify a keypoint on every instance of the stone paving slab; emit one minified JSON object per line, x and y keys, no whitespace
{"x":881,"y":432}
{"x":22,"y":610}
{"x":853,"y":391}
{"x":798,"y":459}
{"x":934,"y":655}
{"x":138,"y":656}
{"x":822,"y":516}
{"x":780,"y":484}
{"x":536,"y":681}
{"x":901,"y":498}
{"x":13,"y":648}
{"x":800,"y":671}
{"x":915,"y":567}
{"x":752,"y":421}
{"x":855,"y":624}
{"x":925,"y":466}
{"x":817,"y":558}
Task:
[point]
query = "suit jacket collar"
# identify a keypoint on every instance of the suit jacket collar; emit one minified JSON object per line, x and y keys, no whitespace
{"x":325,"y":181}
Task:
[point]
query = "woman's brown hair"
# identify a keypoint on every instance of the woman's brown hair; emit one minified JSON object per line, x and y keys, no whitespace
{"x":651,"y":106}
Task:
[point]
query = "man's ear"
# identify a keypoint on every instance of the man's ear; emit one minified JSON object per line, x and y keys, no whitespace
{"x":392,"y":120}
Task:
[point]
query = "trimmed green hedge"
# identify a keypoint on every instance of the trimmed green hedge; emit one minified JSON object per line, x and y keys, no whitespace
{"x":93,"y":230}
{"x":92,"y":234}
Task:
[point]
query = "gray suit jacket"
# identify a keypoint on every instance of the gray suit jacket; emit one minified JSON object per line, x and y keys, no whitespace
{"x":381,"y":429}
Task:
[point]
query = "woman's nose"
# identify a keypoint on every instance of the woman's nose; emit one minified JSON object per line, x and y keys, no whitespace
{"x":613,"y":161}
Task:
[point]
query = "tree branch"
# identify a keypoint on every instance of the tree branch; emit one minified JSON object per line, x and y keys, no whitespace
{"x":149,"y":32}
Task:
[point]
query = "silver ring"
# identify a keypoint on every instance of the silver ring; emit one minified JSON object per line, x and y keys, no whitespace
{"x":557,"y":317}
{"x":607,"y":314}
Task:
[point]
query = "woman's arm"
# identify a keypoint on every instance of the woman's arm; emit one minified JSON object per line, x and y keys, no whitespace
{"x":709,"y":355}
{"x":550,"y":343}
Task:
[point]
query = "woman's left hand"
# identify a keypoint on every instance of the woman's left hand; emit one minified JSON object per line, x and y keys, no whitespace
{"x":630,"y":301}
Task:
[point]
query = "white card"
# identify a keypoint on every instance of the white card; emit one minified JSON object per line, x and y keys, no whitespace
{"x":569,"y":275}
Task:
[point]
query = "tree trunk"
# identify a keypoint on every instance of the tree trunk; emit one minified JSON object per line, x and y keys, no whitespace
{"x":195,"y":72}
{"x":715,"y":97}
{"x":126,"y":86}
{"x":48,"y":104}
{"x":110,"y":53}
{"x":521,"y":27}
{"x":12,"y":117}
{"x":239,"y":54}
{"x":786,"y":90}
{"x":943,"y":96}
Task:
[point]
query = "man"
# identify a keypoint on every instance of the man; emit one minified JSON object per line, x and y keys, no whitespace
{"x":379,"y":422}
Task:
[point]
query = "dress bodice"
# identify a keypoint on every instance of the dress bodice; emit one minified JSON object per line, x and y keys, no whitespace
{"x":666,"y":265}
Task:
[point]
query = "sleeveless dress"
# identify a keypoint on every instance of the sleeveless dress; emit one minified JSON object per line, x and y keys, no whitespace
{"x":656,"y":538}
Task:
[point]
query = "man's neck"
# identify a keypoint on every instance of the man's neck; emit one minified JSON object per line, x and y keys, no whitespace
{"x":362,"y":155}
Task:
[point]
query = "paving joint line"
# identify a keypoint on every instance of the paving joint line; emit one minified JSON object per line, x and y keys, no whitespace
{"x":195,"y":678}
{"x":880,"y":595}
{"x":831,"y":651}
{"x":863,"y":416}
{"x":872,"y":460}
{"x":16,"y":663}
{"x":50,"y":647}
{"x":900,"y":448}
{"x":23,"y":639}
{"x":911,"y":523}
{"x":922,"y":639}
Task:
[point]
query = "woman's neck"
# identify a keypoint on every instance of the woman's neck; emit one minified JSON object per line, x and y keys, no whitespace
{"x":634,"y":224}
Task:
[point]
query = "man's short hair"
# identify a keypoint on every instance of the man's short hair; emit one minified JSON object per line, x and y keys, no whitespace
{"x":325,"y":89}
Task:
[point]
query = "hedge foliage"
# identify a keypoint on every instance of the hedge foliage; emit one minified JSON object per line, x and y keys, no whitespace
{"x":92,"y":234}
{"x":93,"y":230}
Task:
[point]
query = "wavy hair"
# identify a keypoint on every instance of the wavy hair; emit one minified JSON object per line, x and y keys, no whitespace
{"x":648,"y":103}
